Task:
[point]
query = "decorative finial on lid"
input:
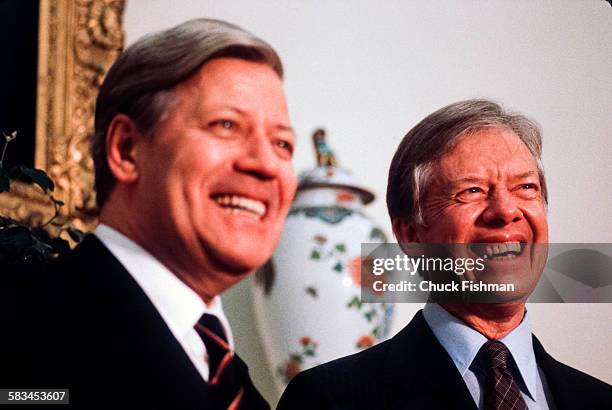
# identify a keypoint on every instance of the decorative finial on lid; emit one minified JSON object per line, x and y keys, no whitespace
{"x":327,"y":173}
{"x":325,"y":156}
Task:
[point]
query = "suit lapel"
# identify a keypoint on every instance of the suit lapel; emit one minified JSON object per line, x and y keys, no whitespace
{"x":419,"y":373}
{"x":560,"y":384}
{"x":128,"y":329}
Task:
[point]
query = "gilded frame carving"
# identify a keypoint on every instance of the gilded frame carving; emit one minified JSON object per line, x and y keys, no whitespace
{"x":78,"y":42}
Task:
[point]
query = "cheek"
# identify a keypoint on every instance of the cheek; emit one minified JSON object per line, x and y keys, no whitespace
{"x":288,"y":185}
{"x":193,"y":166}
{"x":462,"y":218}
{"x":200,"y":152}
{"x":536,"y":217}
{"x":453,"y":227}
{"x":187,"y":184}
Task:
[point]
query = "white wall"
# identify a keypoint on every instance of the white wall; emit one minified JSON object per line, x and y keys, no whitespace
{"x":369,"y":70}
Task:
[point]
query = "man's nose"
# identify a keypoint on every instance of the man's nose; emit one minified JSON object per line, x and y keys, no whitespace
{"x":259,"y":158}
{"x":502,"y":209}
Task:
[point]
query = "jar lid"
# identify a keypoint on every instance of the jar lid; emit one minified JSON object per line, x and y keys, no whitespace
{"x":327,"y":173}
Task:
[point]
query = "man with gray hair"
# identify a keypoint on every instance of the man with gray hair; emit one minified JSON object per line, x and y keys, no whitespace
{"x":193,"y":163}
{"x":470,"y":173}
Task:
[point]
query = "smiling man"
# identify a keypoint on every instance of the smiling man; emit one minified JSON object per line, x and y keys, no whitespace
{"x":468,"y":177}
{"x":193,"y":160}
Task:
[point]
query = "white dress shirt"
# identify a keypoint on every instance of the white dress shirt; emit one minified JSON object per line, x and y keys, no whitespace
{"x":177,"y":303}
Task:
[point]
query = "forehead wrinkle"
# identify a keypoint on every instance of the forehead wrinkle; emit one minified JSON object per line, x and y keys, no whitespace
{"x":525,"y":175}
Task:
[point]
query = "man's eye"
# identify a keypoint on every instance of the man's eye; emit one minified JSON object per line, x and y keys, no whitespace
{"x":225,"y":128}
{"x":228,"y":125}
{"x":471,"y":193}
{"x":283,"y":148}
{"x":225,"y":124}
{"x":529,"y":190}
{"x":286,"y":145}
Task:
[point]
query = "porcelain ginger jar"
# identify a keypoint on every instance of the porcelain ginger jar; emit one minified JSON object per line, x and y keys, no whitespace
{"x":307,"y":300}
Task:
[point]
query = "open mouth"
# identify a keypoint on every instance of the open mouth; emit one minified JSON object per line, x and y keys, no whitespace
{"x":241,"y":205}
{"x":498,"y":251}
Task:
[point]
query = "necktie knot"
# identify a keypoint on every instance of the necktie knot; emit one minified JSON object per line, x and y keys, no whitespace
{"x":211,"y":324}
{"x":502,"y":391}
{"x":219,"y":353}
{"x":497,"y":354}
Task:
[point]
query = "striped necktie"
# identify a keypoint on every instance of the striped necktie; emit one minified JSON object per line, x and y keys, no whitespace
{"x":501,"y":390}
{"x":227,"y":372}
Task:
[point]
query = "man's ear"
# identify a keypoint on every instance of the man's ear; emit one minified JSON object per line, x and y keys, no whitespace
{"x":406,"y":236}
{"x":403,"y":230}
{"x":122,"y":137}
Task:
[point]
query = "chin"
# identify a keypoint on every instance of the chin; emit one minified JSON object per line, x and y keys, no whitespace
{"x":236,"y":253}
{"x":240,"y":264}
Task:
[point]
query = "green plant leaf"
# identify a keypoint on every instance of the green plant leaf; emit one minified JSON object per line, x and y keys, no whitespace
{"x":32,"y":175}
{"x":355,"y":302}
{"x":75,"y":234}
{"x":296,"y":357}
{"x":340,"y":247}
{"x":42,"y":248}
{"x":309,"y":351}
{"x":8,"y":222}
{"x":312,"y":291}
{"x":41,"y":234}
{"x":59,"y":246}
{"x":19,"y":241}
{"x":315,"y":254}
{"x":370,"y":315}
{"x":40,"y":178}
{"x":15,"y":238}
{"x":378,"y":234}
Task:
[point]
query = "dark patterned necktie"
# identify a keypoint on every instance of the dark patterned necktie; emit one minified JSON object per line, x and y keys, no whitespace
{"x":227,"y":372}
{"x":501,"y":390}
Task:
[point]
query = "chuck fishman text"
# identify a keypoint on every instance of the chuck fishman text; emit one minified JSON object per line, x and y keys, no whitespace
{"x":429,"y":286}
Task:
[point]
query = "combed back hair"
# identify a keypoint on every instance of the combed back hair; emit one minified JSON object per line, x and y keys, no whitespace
{"x":140,"y":83}
{"x":415,"y":160}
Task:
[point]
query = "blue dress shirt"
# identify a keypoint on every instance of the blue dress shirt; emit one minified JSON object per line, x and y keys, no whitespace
{"x":463,"y":343}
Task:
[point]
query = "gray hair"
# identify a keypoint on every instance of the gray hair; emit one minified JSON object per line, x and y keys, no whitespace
{"x":140,"y":82}
{"x":415,"y":159}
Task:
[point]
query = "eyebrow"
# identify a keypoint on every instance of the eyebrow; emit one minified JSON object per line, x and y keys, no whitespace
{"x":525,"y":175}
{"x":235,"y":109}
{"x":466,"y":179}
{"x":455,"y":182}
{"x":282,"y":127}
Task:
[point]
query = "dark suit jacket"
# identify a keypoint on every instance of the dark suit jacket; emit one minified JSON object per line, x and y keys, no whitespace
{"x":413,"y":371}
{"x":85,"y":324}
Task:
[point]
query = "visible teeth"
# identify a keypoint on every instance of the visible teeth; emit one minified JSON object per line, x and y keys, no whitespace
{"x":497,"y":250}
{"x":240,"y":203}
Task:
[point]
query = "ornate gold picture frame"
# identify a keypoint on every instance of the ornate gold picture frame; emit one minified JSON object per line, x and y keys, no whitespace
{"x":78,"y":42}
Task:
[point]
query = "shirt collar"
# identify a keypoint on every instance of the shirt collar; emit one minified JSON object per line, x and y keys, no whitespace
{"x":178,"y":304}
{"x":462,"y":343}
{"x":520,"y":344}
